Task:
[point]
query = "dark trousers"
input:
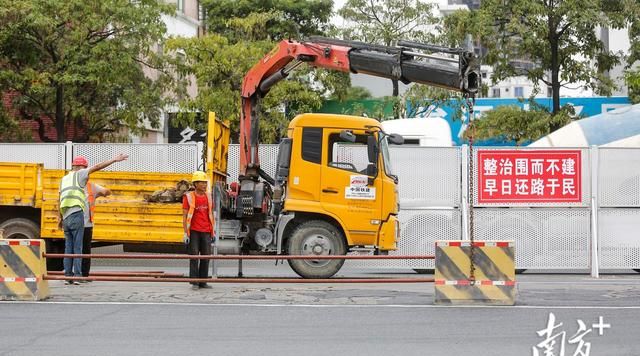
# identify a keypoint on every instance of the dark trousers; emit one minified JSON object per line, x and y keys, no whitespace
{"x":199,"y":244}
{"x":86,"y":250}
{"x":73,"y":226}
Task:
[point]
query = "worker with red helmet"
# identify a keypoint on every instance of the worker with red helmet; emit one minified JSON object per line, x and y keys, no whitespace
{"x":73,"y":204}
{"x":197,"y":207}
{"x":92,"y":191}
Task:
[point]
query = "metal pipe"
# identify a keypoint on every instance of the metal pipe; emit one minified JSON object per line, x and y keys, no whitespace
{"x":237,"y":257}
{"x":124,"y":274}
{"x":243,"y":280}
{"x":430,"y":47}
{"x":431,"y":56}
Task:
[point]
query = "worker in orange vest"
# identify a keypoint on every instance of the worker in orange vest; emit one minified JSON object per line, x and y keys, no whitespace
{"x":92,"y":191}
{"x":197,"y":220}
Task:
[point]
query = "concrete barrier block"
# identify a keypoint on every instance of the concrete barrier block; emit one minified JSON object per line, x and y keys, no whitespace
{"x":22,"y":268}
{"x":494,"y":279}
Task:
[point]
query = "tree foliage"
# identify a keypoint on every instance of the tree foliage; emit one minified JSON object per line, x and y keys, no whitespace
{"x":387,"y":21}
{"x":10,"y":130}
{"x":241,"y":34}
{"x":294,"y":19}
{"x":632,"y":79}
{"x":550,"y":42}
{"x":84,"y":62}
{"x":514,"y":124}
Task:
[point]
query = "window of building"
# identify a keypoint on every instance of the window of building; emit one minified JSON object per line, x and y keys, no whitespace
{"x":484,"y":75}
{"x":549,"y":92}
{"x":518,"y":92}
{"x":495,"y":92}
{"x":180,"y":5}
{"x":201,"y":12}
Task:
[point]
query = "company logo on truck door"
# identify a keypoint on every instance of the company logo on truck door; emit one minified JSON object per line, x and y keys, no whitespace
{"x":359,"y":181}
{"x":358,"y":189}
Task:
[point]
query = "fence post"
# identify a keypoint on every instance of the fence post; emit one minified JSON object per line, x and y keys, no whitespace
{"x":595,"y":261}
{"x":464,"y":190}
{"x":68,"y":155}
{"x":201,"y":158}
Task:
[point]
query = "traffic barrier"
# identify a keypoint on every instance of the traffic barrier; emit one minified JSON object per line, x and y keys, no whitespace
{"x":489,"y":280}
{"x":22,"y":270}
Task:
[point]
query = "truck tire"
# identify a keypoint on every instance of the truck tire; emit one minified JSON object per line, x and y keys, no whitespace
{"x":20,"y":228}
{"x":320,"y":238}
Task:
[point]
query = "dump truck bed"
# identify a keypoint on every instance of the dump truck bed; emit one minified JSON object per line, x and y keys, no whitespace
{"x":19,"y":184}
{"x":124,"y":216}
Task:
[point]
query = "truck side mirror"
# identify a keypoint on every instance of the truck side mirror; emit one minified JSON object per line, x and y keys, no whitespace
{"x":372,"y":170}
{"x":348,"y":136}
{"x":372,"y":149}
{"x":396,"y":139}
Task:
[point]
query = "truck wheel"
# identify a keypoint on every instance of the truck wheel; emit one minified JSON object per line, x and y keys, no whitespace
{"x":316,"y":237}
{"x":19,"y":228}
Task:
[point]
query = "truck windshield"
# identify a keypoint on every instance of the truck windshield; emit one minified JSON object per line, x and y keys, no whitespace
{"x":384,"y":147}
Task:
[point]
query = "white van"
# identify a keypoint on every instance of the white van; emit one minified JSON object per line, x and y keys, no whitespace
{"x":430,"y":131}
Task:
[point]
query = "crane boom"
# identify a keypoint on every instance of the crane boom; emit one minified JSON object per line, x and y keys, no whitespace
{"x":402,"y":63}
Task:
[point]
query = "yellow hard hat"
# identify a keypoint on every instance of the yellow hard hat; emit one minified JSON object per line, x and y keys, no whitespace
{"x":199,"y":176}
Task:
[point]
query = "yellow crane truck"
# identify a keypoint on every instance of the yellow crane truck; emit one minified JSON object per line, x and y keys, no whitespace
{"x":334,"y":188}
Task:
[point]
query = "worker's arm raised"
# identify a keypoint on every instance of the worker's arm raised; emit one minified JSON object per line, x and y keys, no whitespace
{"x":102,"y":165}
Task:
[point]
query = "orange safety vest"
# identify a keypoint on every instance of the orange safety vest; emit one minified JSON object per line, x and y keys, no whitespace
{"x":92,"y":201}
{"x":191,"y":200}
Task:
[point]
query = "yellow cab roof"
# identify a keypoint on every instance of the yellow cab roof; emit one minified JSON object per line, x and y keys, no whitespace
{"x":333,"y":121}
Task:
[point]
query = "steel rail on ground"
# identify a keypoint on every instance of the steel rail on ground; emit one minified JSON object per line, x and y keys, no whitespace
{"x":236,"y":257}
{"x":153,"y":277}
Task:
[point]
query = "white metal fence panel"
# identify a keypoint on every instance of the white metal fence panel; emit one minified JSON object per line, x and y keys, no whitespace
{"x":52,"y":155}
{"x":169,"y":158}
{"x":619,"y":177}
{"x":545,"y":238}
{"x":619,"y":241}
{"x":427,"y":176}
{"x":586,"y":181}
{"x":268,"y":156}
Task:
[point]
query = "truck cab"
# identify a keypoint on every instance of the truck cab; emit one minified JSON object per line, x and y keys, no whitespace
{"x":340,"y":173}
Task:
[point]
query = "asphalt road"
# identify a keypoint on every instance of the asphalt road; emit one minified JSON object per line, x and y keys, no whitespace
{"x":119,"y":318}
{"x":270,"y":329}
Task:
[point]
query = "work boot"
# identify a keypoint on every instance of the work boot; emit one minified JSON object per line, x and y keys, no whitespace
{"x":70,"y":282}
{"x":205,"y":286}
{"x":195,"y":287}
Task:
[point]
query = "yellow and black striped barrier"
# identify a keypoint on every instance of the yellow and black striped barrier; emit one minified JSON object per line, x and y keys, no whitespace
{"x":22,"y":268}
{"x":494,"y":274}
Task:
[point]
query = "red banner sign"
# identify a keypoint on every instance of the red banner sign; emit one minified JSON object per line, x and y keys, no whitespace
{"x":524,"y":176}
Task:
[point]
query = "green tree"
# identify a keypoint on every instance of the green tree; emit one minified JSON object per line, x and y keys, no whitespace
{"x":83,"y":62}
{"x":387,"y":21}
{"x":632,"y":75}
{"x":514,"y":124}
{"x":632,"y":79}
{"x":245,"y":33}
{"x":10,"y":130}
{"x":294,"y":18}
{"x":550,"y":42}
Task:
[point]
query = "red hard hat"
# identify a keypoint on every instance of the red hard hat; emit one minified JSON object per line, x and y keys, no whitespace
{"x":80,"y":161}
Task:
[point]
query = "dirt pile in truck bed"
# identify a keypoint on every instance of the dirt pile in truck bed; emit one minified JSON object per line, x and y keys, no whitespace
{"x":169,"y":195}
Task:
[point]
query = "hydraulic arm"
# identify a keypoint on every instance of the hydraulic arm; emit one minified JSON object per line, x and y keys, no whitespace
{"x":409,"y":62}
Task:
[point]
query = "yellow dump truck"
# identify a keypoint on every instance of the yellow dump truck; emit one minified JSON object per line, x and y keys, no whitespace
{"x":29,"y":202}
